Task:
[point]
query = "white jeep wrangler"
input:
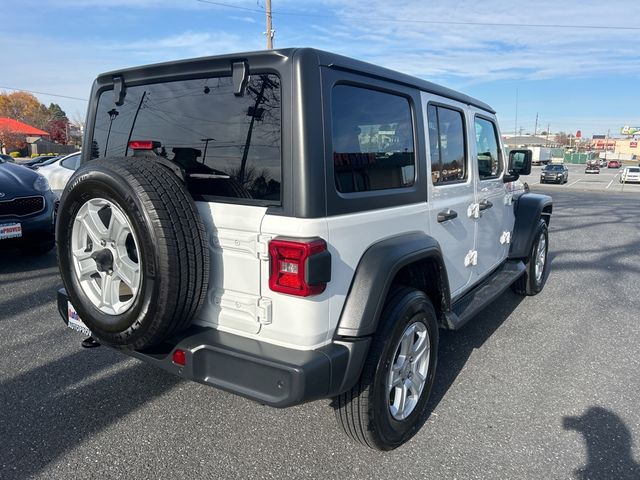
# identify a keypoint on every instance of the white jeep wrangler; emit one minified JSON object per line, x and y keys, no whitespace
{"x":293,"y":225}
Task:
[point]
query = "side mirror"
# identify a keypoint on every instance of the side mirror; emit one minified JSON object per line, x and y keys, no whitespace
{"x":519,"y":164}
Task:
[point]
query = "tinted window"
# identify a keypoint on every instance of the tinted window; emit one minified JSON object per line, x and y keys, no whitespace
{"x":446,"y":145}
{"x":373,"y":146}
{"x":228,"y":145}
{"x":71,"y":162}
{"x":489,"y":160}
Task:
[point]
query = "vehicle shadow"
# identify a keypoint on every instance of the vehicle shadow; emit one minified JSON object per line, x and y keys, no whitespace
{"x":457,"y":346}
{"x":608,"y":441}
{"x":52,"y":409}
{"x":11,"y":261}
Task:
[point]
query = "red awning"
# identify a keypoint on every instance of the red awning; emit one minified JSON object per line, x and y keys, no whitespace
{"x":19,"y":128}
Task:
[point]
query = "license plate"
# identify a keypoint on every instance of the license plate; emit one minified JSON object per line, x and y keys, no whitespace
{"x":10,"y":230}
{"x":75,"y":323}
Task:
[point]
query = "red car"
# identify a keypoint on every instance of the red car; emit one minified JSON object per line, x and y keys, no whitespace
{"x":614,"y":164}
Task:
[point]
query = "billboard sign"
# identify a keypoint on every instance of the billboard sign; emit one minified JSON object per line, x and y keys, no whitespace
{"x":627,"y":130}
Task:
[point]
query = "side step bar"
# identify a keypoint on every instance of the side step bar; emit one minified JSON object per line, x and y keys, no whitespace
{"x":472,"y":302}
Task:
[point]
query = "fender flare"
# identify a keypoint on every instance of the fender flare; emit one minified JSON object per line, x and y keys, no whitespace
{"x":528,"y":209}
{"x":374,"y":275}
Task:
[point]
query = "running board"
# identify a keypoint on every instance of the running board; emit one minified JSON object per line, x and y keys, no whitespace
{"x":472,"y":302}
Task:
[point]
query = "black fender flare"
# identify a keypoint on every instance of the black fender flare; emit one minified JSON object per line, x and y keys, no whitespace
{"x":374,"y":275}
{"x":528,"y":208}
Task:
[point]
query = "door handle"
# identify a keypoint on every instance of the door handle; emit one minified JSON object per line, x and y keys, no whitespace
{"x":484,"y":204}
{"x":447,"y":215}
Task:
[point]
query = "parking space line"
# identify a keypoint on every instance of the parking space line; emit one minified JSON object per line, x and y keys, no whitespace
{"x":574,"y":182}
{"x":614,"y":177}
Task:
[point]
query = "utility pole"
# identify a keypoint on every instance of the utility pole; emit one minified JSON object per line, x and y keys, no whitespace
{"x":270,"y":32}
{"x":535,"y":129}
{"x":515,"y":130}
{"x":548,"y":127}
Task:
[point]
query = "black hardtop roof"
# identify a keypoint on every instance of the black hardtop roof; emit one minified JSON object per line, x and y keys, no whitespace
{"x":323,"y":58}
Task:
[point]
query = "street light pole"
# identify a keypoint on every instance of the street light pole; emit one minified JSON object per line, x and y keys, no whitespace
{"x":206,"y":144}
{"x":113,"y":113}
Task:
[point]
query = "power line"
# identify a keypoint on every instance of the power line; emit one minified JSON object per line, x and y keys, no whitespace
{"x":44,"y":93}
{"x":428,"y":22}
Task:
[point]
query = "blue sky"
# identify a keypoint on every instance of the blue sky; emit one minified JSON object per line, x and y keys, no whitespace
{"x":573,"y":78}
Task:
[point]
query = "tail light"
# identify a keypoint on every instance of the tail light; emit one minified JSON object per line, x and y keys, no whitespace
{"x":299,"y":267}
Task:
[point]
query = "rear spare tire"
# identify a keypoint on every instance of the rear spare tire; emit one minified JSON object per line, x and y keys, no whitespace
{"x":132,"y":251}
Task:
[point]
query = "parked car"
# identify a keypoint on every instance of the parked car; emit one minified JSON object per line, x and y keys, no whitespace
{"x":46,"y":162}
{"x":592,"y":168}
{"x":27,"y":210}
{"x":630,"y":175}
{"x":614,"y":164}
{"x":37,"y":160}
{"x":7,"y":158}
{"x":59,"y":171}
{"x":298,"y":289}
{"x":602,"y":163}
{"x":554,"y":173}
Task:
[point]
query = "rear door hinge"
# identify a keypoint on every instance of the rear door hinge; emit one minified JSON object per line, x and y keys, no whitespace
{"x":508,"y":199}
{"x":263,"y":311}
{"x":471,"y":259}
{"x":473,"y":210}
{"x":262,"y":246}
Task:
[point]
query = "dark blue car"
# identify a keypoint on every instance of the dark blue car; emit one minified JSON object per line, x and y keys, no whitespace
{"x":27,"y":210}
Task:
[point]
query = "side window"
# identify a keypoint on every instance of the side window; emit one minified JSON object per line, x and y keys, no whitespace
{"x":372,"y":135}
{"x":489,"y":160}
{"x":71,"y":163}
{"x":446,"y":145}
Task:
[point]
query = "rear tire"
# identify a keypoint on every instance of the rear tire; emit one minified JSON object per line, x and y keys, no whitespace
{"x":536,"y":273}
{"x":373,"y":413}
{"x":147,"y":280}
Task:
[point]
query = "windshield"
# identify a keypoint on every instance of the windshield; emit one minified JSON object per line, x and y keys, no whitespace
{"x":228,"y":145}
{"x":554,"y":167}
{"x":49,"y":162}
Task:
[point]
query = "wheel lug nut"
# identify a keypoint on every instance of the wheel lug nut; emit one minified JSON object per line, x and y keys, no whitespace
{"x":103,"y":243}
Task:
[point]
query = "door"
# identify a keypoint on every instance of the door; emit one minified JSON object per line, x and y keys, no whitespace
{"x":493,"y":200}
{"x":451,"y":188}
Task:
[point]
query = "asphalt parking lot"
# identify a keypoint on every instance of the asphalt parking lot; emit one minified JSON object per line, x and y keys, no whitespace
{"x":542,"y":387}
{"x":608,"y":180}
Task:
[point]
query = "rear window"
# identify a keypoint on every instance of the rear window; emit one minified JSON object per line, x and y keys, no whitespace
{"x":634,"y":170}
{"x":229,"y":146}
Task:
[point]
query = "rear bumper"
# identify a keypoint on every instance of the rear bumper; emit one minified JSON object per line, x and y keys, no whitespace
{"x":269,"y":374}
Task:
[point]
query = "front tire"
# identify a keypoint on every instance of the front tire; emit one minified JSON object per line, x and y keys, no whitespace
{"x":536,"y":273}
{"x":388,"y":404}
